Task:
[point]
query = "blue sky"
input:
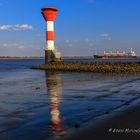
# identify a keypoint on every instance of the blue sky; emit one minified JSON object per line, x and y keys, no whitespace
{"x":82,"y":27}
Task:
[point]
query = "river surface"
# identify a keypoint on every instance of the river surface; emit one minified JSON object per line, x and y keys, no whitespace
{"x":37,"y":104}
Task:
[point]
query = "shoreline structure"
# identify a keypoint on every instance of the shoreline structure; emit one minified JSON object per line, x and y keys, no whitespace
{"x":97,"y":67}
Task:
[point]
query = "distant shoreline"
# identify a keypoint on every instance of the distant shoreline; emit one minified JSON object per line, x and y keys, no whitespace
{"x":42,"y":57}
{"x":19,"y":57}
{"x":15,"y":58}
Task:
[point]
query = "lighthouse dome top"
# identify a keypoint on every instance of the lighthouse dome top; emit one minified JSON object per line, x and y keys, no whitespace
{"x":49,"y":8}
{"x":49,"y":13}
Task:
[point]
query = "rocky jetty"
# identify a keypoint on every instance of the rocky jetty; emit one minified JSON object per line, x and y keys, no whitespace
{"x":99,"y":67}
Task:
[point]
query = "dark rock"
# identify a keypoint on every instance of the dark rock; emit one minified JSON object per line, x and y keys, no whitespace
{"x":76,"y":125}
{"x":89,"y":109}
{"x":107,"y":112}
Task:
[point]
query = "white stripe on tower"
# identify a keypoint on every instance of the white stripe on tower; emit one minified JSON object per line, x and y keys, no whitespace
{"x":50,"y":45}
{"x":50,"y":35}
{"x":50,"y":26}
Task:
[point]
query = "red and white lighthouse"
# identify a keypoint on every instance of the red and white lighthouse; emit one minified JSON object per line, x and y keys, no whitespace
{"x":51,"y":54}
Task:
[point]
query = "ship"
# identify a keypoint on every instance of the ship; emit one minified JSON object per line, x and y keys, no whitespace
{"x":116,"y":55}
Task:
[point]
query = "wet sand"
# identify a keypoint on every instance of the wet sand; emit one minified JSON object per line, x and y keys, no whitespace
{"x":120,"y":126}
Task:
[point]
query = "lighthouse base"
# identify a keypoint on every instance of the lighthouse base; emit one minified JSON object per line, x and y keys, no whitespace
{"x":52,"y":56}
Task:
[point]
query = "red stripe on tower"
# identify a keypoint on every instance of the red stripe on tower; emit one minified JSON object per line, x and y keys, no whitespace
{"x":50,"y":35}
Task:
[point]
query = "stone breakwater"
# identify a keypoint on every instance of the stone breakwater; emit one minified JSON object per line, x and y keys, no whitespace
{"x":100,"y":67}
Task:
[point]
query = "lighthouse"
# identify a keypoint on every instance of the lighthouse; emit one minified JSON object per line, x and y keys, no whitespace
{"x":51,"y":54}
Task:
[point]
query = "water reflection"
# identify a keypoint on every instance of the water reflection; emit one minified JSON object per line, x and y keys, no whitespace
{"x":54,"y":85}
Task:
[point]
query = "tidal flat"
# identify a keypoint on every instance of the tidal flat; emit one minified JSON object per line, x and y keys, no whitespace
{"x":42,"y":105}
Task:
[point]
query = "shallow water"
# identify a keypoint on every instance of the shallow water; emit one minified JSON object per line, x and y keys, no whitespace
{"x":36,"y":104}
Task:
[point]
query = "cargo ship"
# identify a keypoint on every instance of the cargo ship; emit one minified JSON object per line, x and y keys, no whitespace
{"x":116,"y":55}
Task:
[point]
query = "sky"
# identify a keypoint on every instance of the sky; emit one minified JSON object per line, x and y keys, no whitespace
{"x":82,"y":27}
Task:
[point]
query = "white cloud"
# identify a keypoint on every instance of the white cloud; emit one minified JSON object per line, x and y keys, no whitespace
{"x":87,"y":39}
{"x":13,"y":45}
{"x":21,"y":46}
{"x":67,"y":41}
{"x":9,"y":45}
{"x":105,"y":36}
{"x":109,"y":38}
{"x":17,"y":27}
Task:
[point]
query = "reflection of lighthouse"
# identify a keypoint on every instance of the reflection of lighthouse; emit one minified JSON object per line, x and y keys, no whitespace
{"x":51,"y":54}
{"x":54,"y":90}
